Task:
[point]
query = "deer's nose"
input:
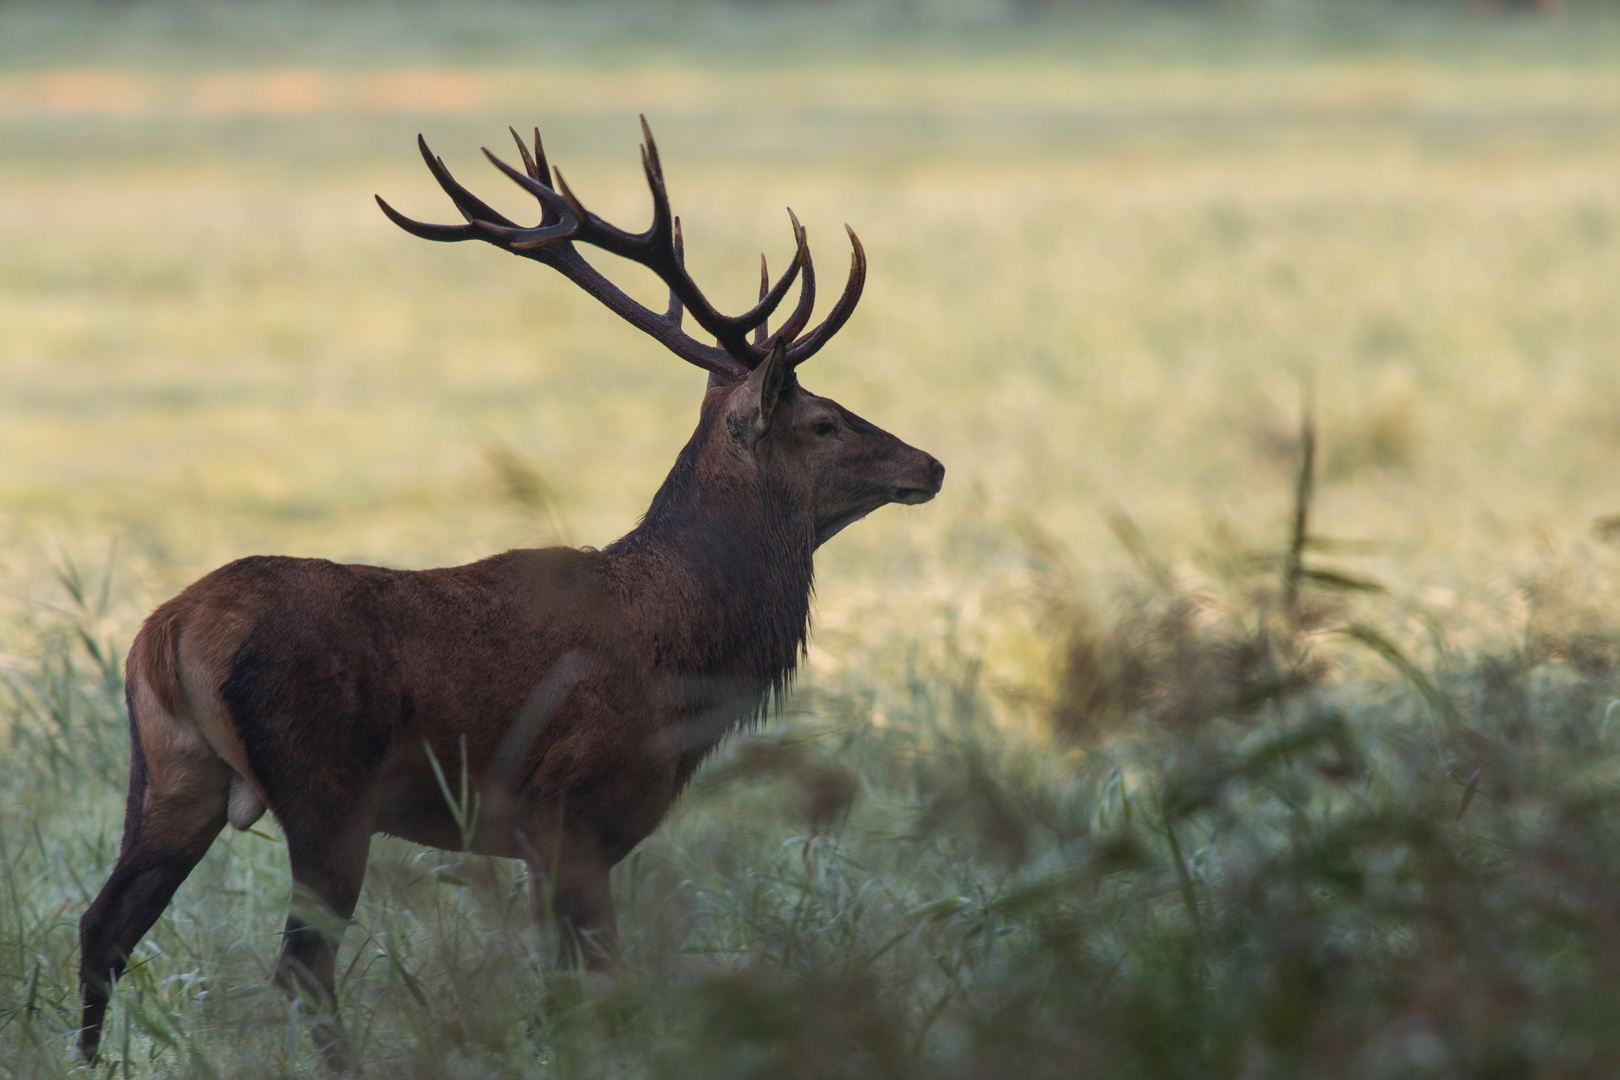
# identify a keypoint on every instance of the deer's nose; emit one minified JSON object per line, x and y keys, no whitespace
{"x":936,"y":469}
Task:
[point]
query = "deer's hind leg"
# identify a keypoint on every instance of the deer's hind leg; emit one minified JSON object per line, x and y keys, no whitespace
{"x":178,"y":792}
{"x":328,"y":856}
{"x":315,"y":713}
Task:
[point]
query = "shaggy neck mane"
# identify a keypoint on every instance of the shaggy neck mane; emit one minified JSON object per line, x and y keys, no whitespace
{"x":739,"y":552}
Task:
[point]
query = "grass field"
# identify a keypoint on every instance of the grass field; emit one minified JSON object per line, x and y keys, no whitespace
{"x":1095,"y":768}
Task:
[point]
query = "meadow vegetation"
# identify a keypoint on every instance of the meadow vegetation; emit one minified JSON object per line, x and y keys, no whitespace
{"x":1244,"y":707}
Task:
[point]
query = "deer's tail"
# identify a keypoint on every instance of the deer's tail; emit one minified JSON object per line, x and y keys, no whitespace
{"x":153,"y":666}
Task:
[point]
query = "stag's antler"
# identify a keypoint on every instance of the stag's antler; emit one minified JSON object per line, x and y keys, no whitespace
{"x":565,"y":221}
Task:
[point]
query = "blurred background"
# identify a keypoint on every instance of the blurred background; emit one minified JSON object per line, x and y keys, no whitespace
{"x":1108,"y":245}
{"x":1129,"y":261}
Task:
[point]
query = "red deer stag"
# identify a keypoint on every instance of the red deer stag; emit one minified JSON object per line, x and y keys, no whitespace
{"x":579,"y":689}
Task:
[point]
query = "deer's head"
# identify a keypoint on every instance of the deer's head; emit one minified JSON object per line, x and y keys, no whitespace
{"x":760,"y":426}
{"x":836,"y":464}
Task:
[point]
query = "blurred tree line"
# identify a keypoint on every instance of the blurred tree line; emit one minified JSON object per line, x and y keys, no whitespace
{"x":947,"y":7}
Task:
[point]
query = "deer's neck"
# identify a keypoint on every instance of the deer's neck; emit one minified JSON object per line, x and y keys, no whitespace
{"x":727,"y":573}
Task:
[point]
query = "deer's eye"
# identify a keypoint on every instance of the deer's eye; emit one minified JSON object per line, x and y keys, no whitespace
{"x":826,"y":427}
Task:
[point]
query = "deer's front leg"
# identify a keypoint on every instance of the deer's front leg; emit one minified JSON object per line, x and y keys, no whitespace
{"x":570,"y":890}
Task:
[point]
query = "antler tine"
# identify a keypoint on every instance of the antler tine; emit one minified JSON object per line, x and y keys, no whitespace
{"x":764,"y":287}
{"x":807,"y":292}
{"x":662,"y":249}
{"x":675,"y":310}
{"x":662,"y":218}
{"x":769,"y":302}
{"x":658,"y":253}
{"x":427,"y":231}
{"x":520,"y":241}
{"x":812,"y":342}
{"x":649,"y":148}
{"x":523,"y":151}
{"x":540,"y":173}
{"x":471,"y":206}
{"x":542,"y":168}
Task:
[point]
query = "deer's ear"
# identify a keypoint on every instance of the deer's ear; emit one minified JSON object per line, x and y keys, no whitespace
{"x":765,"y":384}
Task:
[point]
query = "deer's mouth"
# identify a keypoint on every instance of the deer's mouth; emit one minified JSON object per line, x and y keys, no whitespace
{"x":911,"y":496}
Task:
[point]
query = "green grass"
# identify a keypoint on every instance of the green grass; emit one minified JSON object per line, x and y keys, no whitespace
{"x":1070,"y":785}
